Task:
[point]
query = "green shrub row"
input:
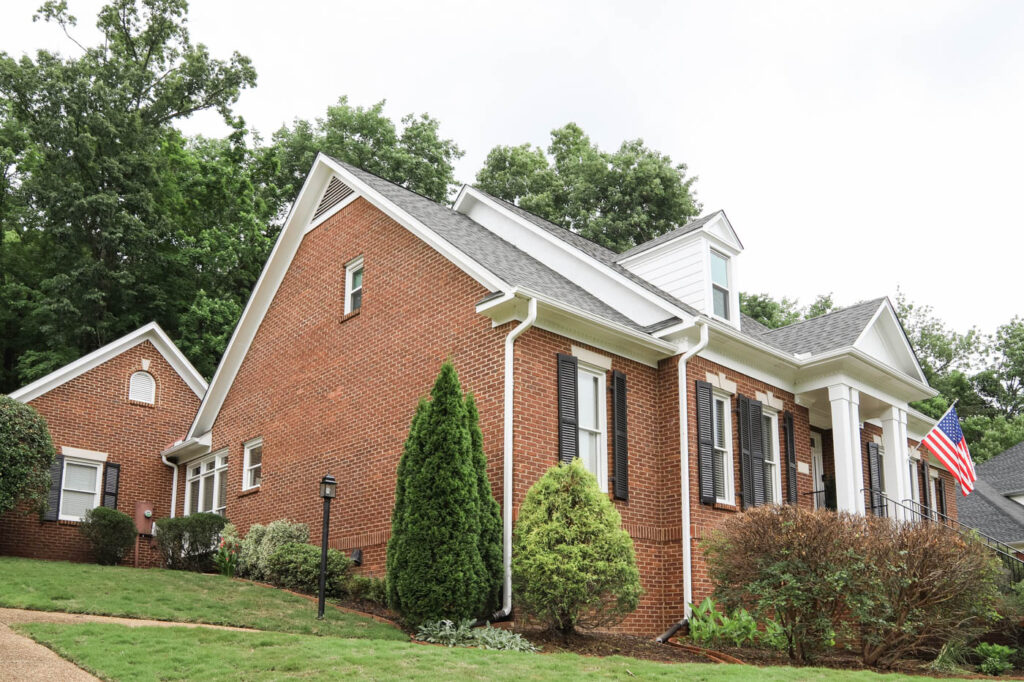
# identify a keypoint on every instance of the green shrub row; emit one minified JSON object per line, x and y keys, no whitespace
{"x":189,"y":542}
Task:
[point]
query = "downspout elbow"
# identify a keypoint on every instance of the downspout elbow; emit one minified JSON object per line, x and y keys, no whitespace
{"x":506,"y":504}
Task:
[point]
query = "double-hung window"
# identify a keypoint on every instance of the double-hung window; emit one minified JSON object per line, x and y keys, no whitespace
{"x":253,"y":465}
{"x":770,"y":448}
{"x":206,"y":484}
{"x":80,"y":488}
{"x":724,"y":488}
{"x":720,"y":285}
{"x":593,"y":423}
{"x":354,"y":285}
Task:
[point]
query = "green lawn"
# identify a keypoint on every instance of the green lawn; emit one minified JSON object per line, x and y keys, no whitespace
{"x":116,"y":652}
{"x":172,"y":595}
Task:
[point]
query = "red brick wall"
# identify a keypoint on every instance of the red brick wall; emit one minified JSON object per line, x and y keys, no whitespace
{"x":705,"y":518}
{"x":92,"y":412}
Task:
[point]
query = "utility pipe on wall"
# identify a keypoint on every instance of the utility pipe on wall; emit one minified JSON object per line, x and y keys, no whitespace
{"x":174,"y":483}
{"x":684,"y":479}
{"x":506,"y":504}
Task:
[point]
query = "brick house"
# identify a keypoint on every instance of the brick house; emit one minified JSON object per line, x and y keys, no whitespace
{"x":640,"y":363}
{"x":110,"y":414}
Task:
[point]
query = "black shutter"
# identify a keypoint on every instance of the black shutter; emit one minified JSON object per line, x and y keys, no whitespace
{"x":746,"y":458}
{"x":705,"y":443}
{"x":757,"y":451}
{"x":568,"y":415}
{"x":875,"y":479}
{"x":791,"y":492}
{"x":53,"y":497}
{"x":925,"y":481}
{"x":620,"y":444}
{"x":940,"y":495}
{"x":111,"y":478}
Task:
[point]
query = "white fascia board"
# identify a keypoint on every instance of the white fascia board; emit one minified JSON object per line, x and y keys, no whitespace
{"x":578,"y":325}
{"x":276,"y":267}
{"x":919,"y":389}
{"x":886,"y":308}
{"x":190,"y":447}
{"x":550,"y":240}
{"x":724,"y":220}
{"x":150,"y":332}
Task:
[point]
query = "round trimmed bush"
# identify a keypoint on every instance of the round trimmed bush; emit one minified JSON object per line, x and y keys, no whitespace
{"x":296,"y":566}
{"x":189,"y":542}
{"x":110,"y":532}
{"x":572,"y":564}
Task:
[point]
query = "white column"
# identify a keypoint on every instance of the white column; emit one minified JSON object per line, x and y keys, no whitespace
{"x":845,"y":403}
{"x":894,"y":463}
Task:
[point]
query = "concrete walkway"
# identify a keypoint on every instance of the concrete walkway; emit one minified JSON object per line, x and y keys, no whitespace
{"x":23,"y":659}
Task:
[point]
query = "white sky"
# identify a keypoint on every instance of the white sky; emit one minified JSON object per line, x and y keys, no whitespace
{"x":855,"y":147}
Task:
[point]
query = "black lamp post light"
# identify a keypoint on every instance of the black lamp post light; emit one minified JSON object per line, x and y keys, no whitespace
{"x":328,"y":491}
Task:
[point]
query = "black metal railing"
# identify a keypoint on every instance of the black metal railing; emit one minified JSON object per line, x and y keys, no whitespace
{"x":909,"y":510}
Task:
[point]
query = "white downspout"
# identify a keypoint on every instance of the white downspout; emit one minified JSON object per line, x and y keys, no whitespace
{"x":174,"y":483}
{"x":506,"y":505}
{"x":684,"y":466}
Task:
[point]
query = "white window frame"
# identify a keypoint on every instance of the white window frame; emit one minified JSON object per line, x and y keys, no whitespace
{"x":590,"y":371}
{"x":248,"y":447}
{"x":350,"y":269}
{"x":729,"y":468}
{"x":776,"y":482}
{"x":207,"y":477}
{"x":97,"y":497}
{"x":914,"y":465}
{"x":712,"y":252}
{"x":152,"y":383}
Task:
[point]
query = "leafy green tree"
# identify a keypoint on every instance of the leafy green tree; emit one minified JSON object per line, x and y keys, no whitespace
{"x":768,"y":311}
{"x":573,"y":565}
{"x":617,"y":199}
{"x":412,"y":154}
{"x":26,"y":453}
{"x":88,"y":145}
{"x":821,"y":305}
{"x":1001,"y":383}
{"x":436,"y":568}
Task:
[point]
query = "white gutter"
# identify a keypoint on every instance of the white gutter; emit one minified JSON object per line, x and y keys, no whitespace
{"x":684,"y":466}
{"x":174,"y":483}
{"x":506,"y":504}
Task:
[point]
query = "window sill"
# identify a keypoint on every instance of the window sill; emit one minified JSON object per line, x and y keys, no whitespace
{"x":348,"y":316}
{"x":141,"y":404}
{"x":68,"y":522}
{"x":722,"y":506}
{"x":250,"y":491}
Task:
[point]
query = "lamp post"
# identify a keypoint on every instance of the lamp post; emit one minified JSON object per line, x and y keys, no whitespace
{"x":328,"y":490}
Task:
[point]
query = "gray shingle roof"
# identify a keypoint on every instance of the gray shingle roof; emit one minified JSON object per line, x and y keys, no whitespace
{"x":1005,"y":471}
{"x":837,"y":329}
{"x":991,"y":513}
{"x":592,"y":249}
{"x":752,"y":327}
{"x":489,"y":250}
{"x":668,"y":236}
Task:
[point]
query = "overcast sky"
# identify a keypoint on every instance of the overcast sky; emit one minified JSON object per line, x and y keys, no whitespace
{"x":855,"y":147}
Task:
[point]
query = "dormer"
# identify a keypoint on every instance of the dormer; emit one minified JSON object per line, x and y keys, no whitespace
{"x":696,"y":263}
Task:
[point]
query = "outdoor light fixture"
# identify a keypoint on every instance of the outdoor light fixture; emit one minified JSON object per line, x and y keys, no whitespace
{"x":328,"y":490}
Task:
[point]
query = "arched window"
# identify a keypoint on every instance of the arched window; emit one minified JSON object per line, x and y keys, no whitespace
{"x":142,"y":388}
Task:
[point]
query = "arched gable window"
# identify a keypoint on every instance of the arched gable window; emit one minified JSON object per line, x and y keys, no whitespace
{"x":142,"y":388}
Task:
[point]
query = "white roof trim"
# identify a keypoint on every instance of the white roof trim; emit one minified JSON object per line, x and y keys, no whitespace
{"x":151,"y":332}
{"x":280,"y":259}
{"x":886,"y":305}
{"x":609,"y":272}
{"x":718,"y":215}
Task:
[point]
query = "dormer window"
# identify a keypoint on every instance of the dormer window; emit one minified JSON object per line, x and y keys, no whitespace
{"x":720,"y":285}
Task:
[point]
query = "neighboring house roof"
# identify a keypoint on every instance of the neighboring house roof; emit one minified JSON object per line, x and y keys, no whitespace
{"x":988,"y":508}
{"x":151,"y":332}
{"x":599,"y":253}
{"x":668,"y":236}
{"x":838,"y":329}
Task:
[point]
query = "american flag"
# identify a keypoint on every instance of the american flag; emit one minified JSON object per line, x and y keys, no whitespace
{"x":947,"y":441}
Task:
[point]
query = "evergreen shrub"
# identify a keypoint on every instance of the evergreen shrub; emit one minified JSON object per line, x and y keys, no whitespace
{"x":296,"y":566}
{"x":110,"y":533}
{"x":189,"y":542}
{"x":572,"y":563}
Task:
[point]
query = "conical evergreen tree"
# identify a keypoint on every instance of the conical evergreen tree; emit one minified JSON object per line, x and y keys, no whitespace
{"x":410,"y":460}
{"x":437,"y":570}
{"x":490,"y":512}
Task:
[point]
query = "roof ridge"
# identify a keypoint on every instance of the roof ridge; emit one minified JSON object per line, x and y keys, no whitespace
{"x":848,"y":308}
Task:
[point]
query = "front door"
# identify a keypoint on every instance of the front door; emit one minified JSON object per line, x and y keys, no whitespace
{"x":817,"y":470}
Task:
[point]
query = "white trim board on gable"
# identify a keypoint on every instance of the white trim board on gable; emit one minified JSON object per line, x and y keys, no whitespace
{"x":151,"y":332}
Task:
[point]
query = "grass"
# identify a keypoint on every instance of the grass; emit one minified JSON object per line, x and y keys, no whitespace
{"x":115,"y":652}
{"x":174,"y":596}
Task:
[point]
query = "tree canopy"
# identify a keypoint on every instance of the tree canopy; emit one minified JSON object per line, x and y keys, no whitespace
{"x":774,"y":313}
{"x":617,"y":199}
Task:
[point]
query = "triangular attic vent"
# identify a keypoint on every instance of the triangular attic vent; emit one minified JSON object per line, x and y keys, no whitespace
{"x":337,"y":191}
